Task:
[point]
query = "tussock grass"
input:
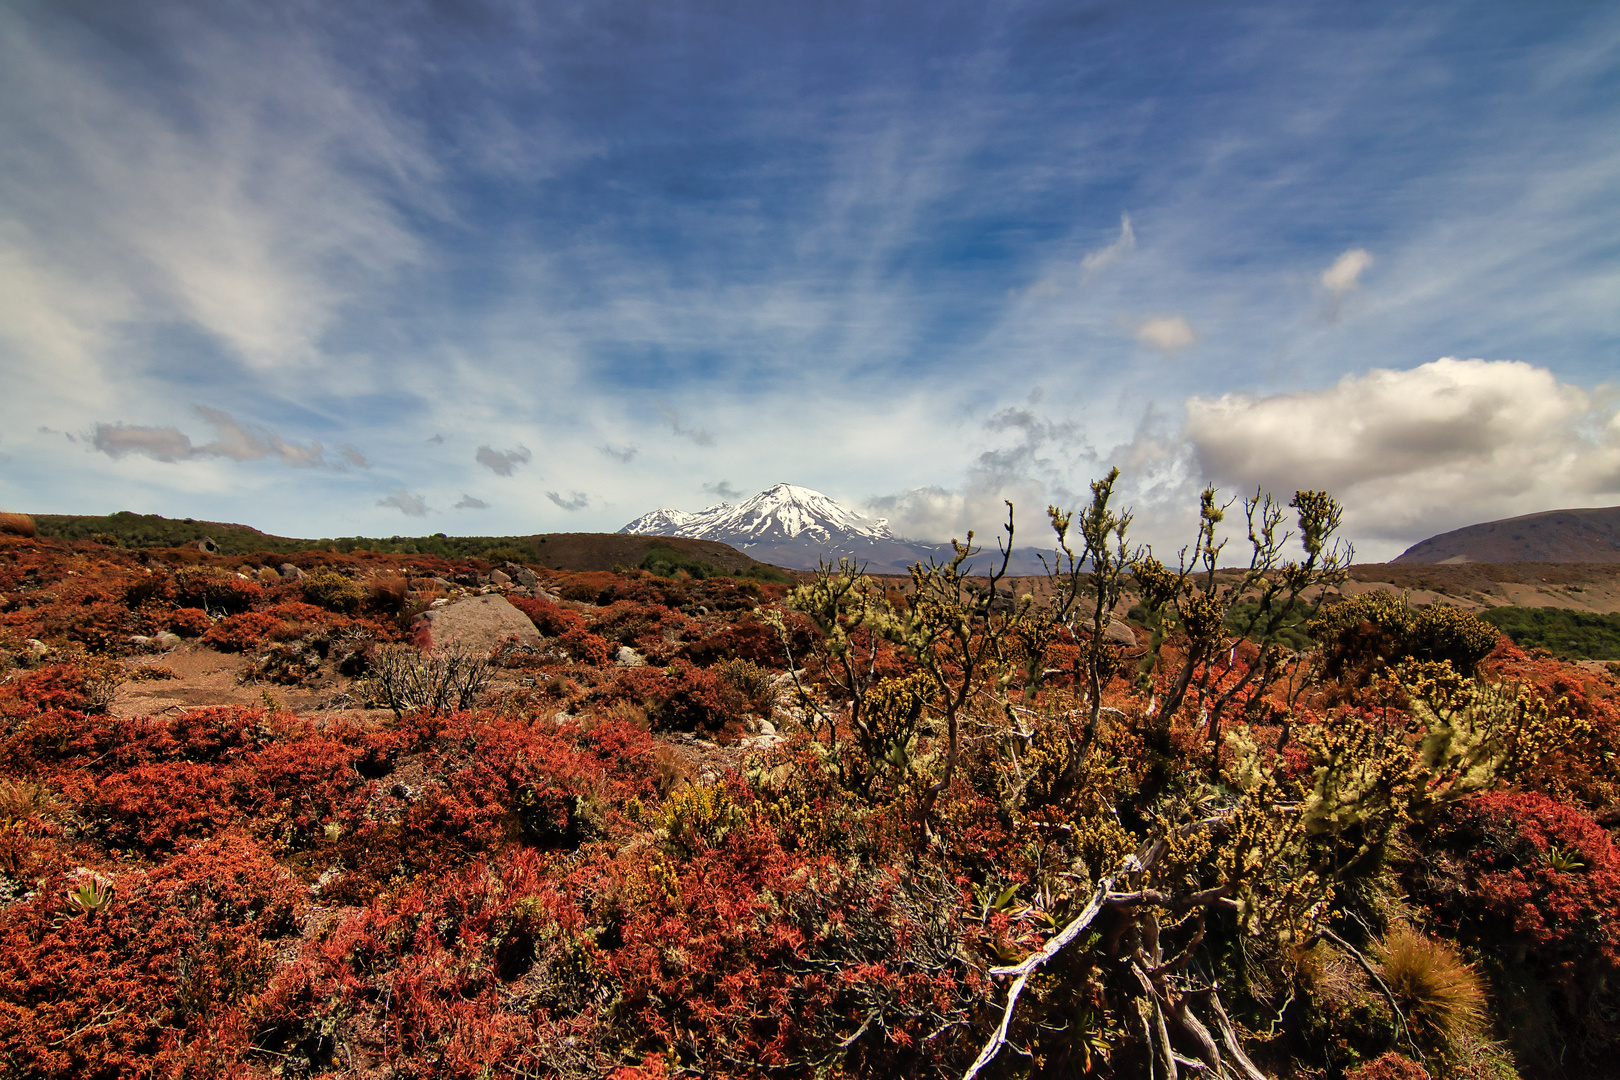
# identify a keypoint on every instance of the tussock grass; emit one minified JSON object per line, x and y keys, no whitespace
{"x":1442,"y":996}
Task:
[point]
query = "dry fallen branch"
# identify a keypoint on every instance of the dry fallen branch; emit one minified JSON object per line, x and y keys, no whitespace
{"x":1165,"y":1003}
{"x":1136,"y":863}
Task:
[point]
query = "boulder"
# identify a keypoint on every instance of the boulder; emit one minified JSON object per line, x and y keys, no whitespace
{"x":628,"y":657}
{"x":475,"y":624}
{"x":1120,"y":633}
{"x":523,"y":576}
{"x":499,"y":577}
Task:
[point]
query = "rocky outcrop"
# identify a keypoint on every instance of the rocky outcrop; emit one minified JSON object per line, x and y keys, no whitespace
{"x":477,"y":623}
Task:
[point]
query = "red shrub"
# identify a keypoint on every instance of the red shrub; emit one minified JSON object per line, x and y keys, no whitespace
{"x":243,"y":632}
{"x":290,"y":790}
{"x":157,"y":806}
{"x":746,"y":640}
{"x":190,"y":621}
{"x":1391,"y":1066}
{"x":586,"y":647}
{"x":153,"y":983}
{"x":681,"y":697}
{"x":215,"y":589}
{"x":1539,"y":883}
{"x":552,"y":620}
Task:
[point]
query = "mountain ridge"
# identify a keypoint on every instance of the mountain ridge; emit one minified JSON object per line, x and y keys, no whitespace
{"x":799,"y":527}
{"x":1588,"y":534}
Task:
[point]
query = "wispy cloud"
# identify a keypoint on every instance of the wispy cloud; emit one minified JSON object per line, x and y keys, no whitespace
{"x":1346,"y":271}
{"x":1168,"y":334}
{"x":576,"y":500}
{"x":697,"y":436}
{"x":470,"y":502}
{"x":622,"y":454}
{"x":1104,"y":257}
{"x":405,"y":502}
{"x":503,"y":462}
{"x":723,"y":489}
{"x":232,"y":440}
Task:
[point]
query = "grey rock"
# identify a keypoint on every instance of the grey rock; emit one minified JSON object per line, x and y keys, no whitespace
{"x":291,"y":572}
{"x":477,"y":623}
{"x":1119,"y":633}
{"x":499,"y":577}
{"x":523,"y":576}
{"x":628,"y":657}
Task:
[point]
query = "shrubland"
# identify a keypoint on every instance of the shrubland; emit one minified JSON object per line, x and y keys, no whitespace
{"x":1155,"y":816}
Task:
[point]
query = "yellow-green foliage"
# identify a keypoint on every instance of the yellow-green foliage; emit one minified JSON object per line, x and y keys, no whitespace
{"x":333,"y":591}
{"x":1441,"y":995}
{"x":1380,"y":628}
{"x":698,"y":816}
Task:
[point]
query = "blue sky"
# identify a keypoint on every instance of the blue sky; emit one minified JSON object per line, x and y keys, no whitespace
{"x":497,"y":268}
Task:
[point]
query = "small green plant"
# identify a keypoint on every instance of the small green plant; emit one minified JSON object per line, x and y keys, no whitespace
{"x":89,"y":898}
{"x":1565,"y":862}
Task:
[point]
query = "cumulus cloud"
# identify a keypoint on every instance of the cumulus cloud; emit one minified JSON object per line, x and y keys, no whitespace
{"x":577,"y":500}
{"x":232,"y":440}
{"x":1030,"y":470}
{"x":502,"y":462}
{"x":1104,"y":257}
{"x":697,"y":436}
{"x":469,"y":502}
{"x":1345,"y":273}
{"x":406,"y":503}
{"x":723,"y":490}
{"x":621,"y":454}
{"x":1167,"y":333}
{"x":1411,"y":453}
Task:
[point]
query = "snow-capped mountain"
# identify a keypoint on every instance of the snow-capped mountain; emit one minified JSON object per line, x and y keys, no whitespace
{"x":793,"y":527}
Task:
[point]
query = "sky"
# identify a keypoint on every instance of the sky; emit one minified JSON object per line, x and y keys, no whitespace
{"x":504,"y":268}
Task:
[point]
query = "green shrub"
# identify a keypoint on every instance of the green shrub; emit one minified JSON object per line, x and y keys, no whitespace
{"x":1572,"y":635}
{"x":667,"y":562}
{"x":333,"y":591}
{"x":1367,"y":633}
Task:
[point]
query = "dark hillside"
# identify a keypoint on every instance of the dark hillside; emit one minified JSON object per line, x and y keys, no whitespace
{"x":1588,"y":535}
{"x":558,"y":551}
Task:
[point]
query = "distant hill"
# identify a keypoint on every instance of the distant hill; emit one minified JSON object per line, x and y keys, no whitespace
{"x":559,"y":551}
{"x":797,"y":527}
{"x":1553,"y":536}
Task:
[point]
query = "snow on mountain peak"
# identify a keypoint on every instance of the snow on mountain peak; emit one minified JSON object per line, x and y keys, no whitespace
{"x":780,"y":512}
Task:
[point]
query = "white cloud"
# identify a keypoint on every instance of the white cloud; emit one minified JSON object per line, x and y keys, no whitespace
{"x":1105,"y":257}
{"x":1412,"y":453}
{"x":1167,"y":333}
{"x":1345,"y":273}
